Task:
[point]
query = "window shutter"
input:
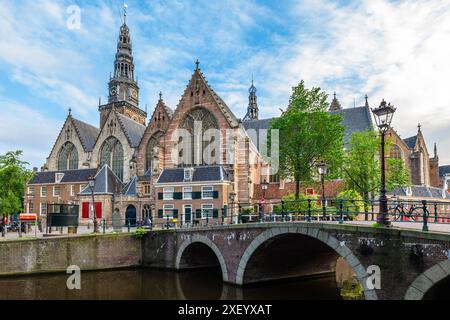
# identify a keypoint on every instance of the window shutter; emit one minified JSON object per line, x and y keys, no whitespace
{"x":85,"y":210}
{"x":160,"y":213}
{"x":215,"y":213}
{"x":216,"y":194}
{"x":178,"y":195}
{"x":196,"y":195}
{"x":224,"y":211}
{"x":175,"y":213}
{"x":198,"y":213}
{"x":160,"y":196}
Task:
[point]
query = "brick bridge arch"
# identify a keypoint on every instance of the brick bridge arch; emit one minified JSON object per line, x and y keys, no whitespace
{"x":339,"y":247}
{"x":427,"y":280}
{"x":206,"y":241}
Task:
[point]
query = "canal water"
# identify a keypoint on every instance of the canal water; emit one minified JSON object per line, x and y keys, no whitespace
{"x":150,"y":284}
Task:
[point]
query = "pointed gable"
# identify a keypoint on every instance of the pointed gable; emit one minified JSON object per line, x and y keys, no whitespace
{"x":198,"y":92}
{"x":106,"y":182}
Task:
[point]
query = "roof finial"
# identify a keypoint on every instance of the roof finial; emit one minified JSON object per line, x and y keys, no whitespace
{"x":367,"y":101}
{"x":419,"y":127}
{"x":125,"y":7}
{"x":70,"y":111}
{"x":197,"y":64}
{"x":435,"y":150}
{"x":160,"y":96}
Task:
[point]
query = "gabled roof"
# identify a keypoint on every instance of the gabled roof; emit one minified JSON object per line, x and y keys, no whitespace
{"x":201,"y":174}
{"x":133,"y":130}
{"x":88,"y":134}
{"x":411,"y":141}
{"x":70,"y":176}
{"x":355,"y":120}
{"x":106,"y":182}
{"x":131,"y":188}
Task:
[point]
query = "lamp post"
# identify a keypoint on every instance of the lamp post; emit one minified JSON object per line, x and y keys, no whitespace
{"x":322,"y":167}
{"x":91,"y":181}
{"x":264,"y":186}
{"x":383,"y":117}
{"x":232,"y":198}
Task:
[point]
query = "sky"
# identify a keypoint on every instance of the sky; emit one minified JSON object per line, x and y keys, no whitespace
{"x":393,"y":50}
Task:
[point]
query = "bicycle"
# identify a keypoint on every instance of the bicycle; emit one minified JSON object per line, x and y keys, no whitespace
{"x":398,"y":212}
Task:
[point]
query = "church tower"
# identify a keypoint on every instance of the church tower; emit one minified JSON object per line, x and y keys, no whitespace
{"x":123,"y":88}
{"x":252,"y":109}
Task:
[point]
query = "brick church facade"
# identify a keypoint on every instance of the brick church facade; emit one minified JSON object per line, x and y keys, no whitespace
{"x":183,"y":164}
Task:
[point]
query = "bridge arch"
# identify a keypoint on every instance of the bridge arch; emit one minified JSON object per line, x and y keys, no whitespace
{"x":424,"y":282}
{"x":340,"y":248}
{"x":205,"y":241}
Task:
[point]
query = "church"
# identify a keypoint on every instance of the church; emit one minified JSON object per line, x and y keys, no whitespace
{"x":186,"y":163}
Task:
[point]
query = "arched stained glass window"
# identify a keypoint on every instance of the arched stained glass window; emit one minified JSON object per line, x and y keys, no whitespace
{"x":68,"y":157}
{"x":112,"y":154}
{"x":151,"y":151}
{"x":201,"y":148}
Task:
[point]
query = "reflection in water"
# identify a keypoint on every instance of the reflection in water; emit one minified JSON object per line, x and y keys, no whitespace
{"x":148,"y":284}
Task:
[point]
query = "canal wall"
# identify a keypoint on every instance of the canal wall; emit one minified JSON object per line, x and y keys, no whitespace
{"x":90,"y":252}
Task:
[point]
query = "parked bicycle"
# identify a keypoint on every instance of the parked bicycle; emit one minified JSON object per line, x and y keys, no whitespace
{"x":400,"y":212}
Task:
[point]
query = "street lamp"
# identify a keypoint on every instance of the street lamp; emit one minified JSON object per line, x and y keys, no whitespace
{"x":264,"y":186}
{"x":232,"y":198}
{"x":322,"y":167}
{"x":91,"y":181}
{"x":383,"y":117}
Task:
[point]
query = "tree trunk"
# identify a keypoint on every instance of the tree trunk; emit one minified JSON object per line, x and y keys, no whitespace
{"x":3,"y":225}
{"x":297,"y":189}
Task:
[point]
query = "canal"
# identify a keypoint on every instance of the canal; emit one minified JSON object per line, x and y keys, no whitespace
{"x":150,"y":284}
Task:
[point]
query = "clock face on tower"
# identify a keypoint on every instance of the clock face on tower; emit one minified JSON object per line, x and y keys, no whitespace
{"x":134,"y":93}
{"x":113,"y":91}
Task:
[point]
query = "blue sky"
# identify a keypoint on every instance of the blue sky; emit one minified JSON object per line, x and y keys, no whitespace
{"x":397,"y":50}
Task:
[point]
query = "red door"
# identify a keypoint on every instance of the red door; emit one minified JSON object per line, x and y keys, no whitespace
{"x":86,"y":207}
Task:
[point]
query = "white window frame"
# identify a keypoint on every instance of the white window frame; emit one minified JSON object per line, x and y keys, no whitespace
{"x":41,"y":205}
{"x":72,"y":190}
{"x":31,"y":191}
{"x":59,"y":177}
{"x":168,"y":207}
{"x":30,"y":207}
{"x":54,"y":189}
{"x":43,"y":195}
{"x":203,"y":210}
{"x":207,"y":191}
{"x":184,"y":212}
{"x":188,"y":174}
{"x":187,"y":195}
{"x":168,"y":193}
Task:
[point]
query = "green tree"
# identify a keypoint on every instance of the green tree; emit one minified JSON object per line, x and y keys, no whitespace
{"x":362,"y":170}
{"x":13,"y":177}
{"x":308,"y":134}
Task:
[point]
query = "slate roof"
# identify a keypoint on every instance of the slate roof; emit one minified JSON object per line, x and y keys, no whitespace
{"x":411,"y":142}
{"x":443,"y":170}
{"x":88,"y":134}
{"x":353,"y":119}
{"x":201,"y":174}
{"x":70,"y":176}
{"x":422,"y":192}
{"x":133,"y":130}
{"x":106,"y":182}
{"x":131,"y":188}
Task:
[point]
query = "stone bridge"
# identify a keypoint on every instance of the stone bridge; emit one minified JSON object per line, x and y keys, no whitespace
{"x":411,"y":262}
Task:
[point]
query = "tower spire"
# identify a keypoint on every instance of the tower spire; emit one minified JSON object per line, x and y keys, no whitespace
{"x":367,"y":101}
{"x":252,"y":109}
{"x":335,"y":104}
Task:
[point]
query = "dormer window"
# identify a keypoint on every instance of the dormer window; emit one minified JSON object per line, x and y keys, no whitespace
{"x":188,"y":173}
{"x":59,"y":177}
